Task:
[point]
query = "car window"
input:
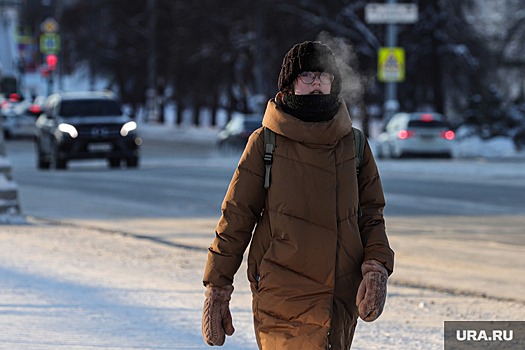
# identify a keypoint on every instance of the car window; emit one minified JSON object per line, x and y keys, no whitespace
{"x":89,"y":108}
{"x":427,"y":124}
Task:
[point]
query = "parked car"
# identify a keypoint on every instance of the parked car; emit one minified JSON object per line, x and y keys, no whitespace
{"x":85,"y":125}
{"x":416,"y":134}
{"x":18,"y":117}
{"x":236,"y":132}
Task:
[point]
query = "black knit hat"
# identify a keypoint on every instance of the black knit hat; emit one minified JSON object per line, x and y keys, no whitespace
{"x":311,"y":56}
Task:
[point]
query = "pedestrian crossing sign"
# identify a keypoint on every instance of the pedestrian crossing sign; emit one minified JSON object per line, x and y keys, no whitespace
{"x":391,"y":64}
{"x":49,"y":43}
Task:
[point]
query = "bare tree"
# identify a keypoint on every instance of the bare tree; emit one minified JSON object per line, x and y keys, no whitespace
{"x":219,"y":55}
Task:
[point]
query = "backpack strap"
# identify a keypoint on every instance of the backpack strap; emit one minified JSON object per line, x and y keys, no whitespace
{"x":359,"y":138}
{"x":359,"y":148}
{"x":269,"y":147}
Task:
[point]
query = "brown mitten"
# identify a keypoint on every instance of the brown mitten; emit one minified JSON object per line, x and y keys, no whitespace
{"x":371,"y":294}
{"x":216,"y":316}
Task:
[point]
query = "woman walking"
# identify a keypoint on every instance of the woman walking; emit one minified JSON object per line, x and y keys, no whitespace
{"x":319,"y":256}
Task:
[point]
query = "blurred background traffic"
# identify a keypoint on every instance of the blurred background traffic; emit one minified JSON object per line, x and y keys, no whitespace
{"x":203,"y":61}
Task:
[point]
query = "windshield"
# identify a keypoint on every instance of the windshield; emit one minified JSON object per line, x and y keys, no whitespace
{"x":89,"y":108}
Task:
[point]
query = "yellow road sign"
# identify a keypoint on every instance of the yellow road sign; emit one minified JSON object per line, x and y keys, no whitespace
{"x":391,"y":64}
{"x":49,"y":25}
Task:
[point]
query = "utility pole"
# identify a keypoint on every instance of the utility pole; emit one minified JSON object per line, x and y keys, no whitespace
{"x":391,"y":105}
{"x":152,"y":112}
{"x":391,"y":66}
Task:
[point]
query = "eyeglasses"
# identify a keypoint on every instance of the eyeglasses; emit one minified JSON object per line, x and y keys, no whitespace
{"x":309,"y":77}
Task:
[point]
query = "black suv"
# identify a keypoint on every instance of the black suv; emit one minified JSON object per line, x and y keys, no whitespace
{"x":85,"y":125}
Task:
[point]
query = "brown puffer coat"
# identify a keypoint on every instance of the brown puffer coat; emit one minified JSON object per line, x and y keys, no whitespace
{"x":309,"y":243}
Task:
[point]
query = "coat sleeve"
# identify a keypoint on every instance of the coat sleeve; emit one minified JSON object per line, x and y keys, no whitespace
{"x":241,"y":209}
{"x":372,"y":223}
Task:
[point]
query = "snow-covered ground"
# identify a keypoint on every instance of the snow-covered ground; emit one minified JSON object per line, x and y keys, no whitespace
{"x":75,"y":288}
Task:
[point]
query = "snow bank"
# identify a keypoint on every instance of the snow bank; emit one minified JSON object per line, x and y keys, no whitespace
{"x":474,"y":147}
{"x":4,"y":163}
{"x":189,"y":134}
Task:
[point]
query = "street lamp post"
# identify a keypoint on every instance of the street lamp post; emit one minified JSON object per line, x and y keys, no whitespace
{"x":152,"y":112}
{"x":391,"y":14}
{"x":391,"y":105}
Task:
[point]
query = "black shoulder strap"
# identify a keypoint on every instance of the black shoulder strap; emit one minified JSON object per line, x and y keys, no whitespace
{"x":359,"y":148}
{"x":359,"y":138}
{"x":269,"y":146}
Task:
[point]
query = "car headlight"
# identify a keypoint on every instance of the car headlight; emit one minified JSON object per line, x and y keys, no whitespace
{"x":69,"y":129}
{"x":126,"y":128}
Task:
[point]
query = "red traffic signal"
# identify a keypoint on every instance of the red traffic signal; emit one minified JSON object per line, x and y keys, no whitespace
{"x":51,"y":61}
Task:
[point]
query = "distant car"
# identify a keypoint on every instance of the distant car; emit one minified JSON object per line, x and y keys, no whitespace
{"x":18,"y":117}
{"x":85,"y":125}
{"x":236,"y":132}
{"x":416,"y":134}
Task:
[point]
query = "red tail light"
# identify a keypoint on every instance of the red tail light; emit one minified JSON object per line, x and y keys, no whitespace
{"x":405,"y":134}
{"x":448,"y":135}
{"x":35,"y":109}
{"x":14,"y":97}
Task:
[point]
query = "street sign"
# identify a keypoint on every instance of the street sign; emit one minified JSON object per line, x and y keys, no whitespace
{"x":49,"y":43}
{"x":377,"y":13}
{"x":49,"y":25}
{"x":391,"y":64}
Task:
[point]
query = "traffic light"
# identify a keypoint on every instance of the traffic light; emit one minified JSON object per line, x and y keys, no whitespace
{"x":51,"y":61}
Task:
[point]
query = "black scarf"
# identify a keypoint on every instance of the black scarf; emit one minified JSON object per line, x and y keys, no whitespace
{"x":311,"y":108}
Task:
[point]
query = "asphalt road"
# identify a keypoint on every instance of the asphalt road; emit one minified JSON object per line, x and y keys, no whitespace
{"x":176,"y":193}
{"x":181,"y":180}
